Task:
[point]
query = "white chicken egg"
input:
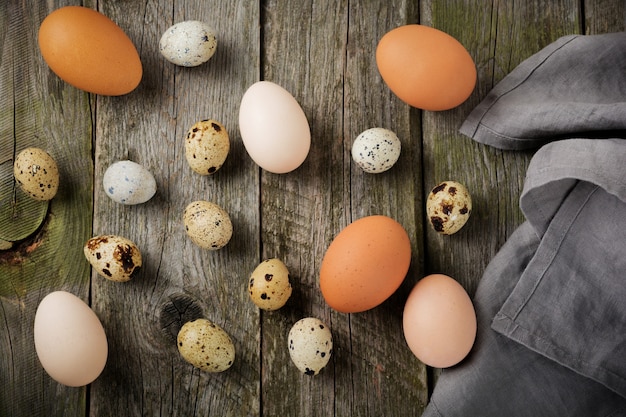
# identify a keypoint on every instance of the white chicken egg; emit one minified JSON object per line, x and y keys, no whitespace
{"x":69,"y":339}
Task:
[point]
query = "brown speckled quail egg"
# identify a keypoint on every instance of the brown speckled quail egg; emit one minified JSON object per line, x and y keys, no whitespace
{"x":207,"y":224}
{"x":310,"y":345}
{"x":37,"y":173}
{"x":113,"y":257}
{"x":376,"y":150}
{"x":188,"y":44}
{"x":206,"y":345}
{"x":206,"y":146}
{"x":448,"y":207}
{"x":269,"y":285}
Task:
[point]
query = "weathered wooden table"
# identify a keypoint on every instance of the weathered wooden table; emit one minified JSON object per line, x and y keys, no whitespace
{"x":322,"y":51}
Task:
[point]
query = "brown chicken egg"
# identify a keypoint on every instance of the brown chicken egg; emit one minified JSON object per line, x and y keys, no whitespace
{"x":425,"y":67}
{"x":439,"y":321}
{"x":89,"y":51}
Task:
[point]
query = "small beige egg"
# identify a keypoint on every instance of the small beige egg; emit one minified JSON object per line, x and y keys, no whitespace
{"x":113,"y":257}
{"x":207,"y":224}
{"x":310,"y":345}
{"x":206,"y":346}
{"x":206,"y":146}
{"x":448,"y":207}
{"x":269,"y":285}
{"x":37,"y":173}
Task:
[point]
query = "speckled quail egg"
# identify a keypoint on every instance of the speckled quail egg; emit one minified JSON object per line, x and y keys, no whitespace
{"x":189,"y":43}
{"x":206,"y":345}
{"x":207,"y":224}
{"x":448,"y":207}
{"x":127,"y":182}
{"x":310,"y":345}
{"x":37,"y":173}
{"x":269,"y":285}
{"x":206,"y":146}
{"x":113,"y":257}
{"x":376,"y":150}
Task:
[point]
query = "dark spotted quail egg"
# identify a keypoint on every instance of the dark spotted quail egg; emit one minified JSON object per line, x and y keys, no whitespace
{"x":310,"y":345}
{"x":207,"y":224}
{"x":448,"y":207}
{"x":206,"y":146}
{"x":113,"y":257}
{"x":37,"y":173}
{"x":206,"y":345}
{"x":269,"y":286}
{"x":188,"y":44}
{"x":376,"y":150}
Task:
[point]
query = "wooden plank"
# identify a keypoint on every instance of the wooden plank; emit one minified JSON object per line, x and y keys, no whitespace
{"x":498,"y":36}
{"x":303,"y":51}
{"x":604,"y":16}
{"x":333,"y":49}
{"x":38,"y":109}
{"x":179,"y":281}
{"x":385,"y":377}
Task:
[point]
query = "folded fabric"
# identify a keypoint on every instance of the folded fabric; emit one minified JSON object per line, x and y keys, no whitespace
{"x":551,"y":306}
{"x":574,"y":87}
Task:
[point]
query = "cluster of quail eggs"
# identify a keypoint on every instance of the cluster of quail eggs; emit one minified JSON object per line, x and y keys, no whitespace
{"x":201,"y":342}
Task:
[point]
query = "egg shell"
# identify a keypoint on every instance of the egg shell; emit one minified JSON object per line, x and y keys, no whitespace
{"x":69,"y":339}
{"x":189,"y":43}
{"x":425,"y":67}
{"x":274,"y":128}
{"x":129,"y":183}
{"x":376,"y":150}
{"x":37,"y":173}
{"x":207,"y":224}
{"x":365,"y":264}
{"x":206,"y":345}
{"x":439,"y":321}
{"x":113,"y":257}
{"x":448,"y":207}
{"x":269,"y":285}
{"x":89,"y":51}
{"x":206,"y":146}
{"x":310,"y":345}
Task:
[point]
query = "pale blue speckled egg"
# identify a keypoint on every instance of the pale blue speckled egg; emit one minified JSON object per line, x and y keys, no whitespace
{"x":127,"y":182}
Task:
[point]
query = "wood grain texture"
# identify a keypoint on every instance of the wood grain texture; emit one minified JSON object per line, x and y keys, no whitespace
{"x":39,"y":110}
{"x":321,"y":51}
{"x":512,"y":31}
{"x":146,"y":374}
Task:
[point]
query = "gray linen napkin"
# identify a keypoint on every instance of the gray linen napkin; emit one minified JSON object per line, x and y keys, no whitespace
{"x":551,"y":306}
